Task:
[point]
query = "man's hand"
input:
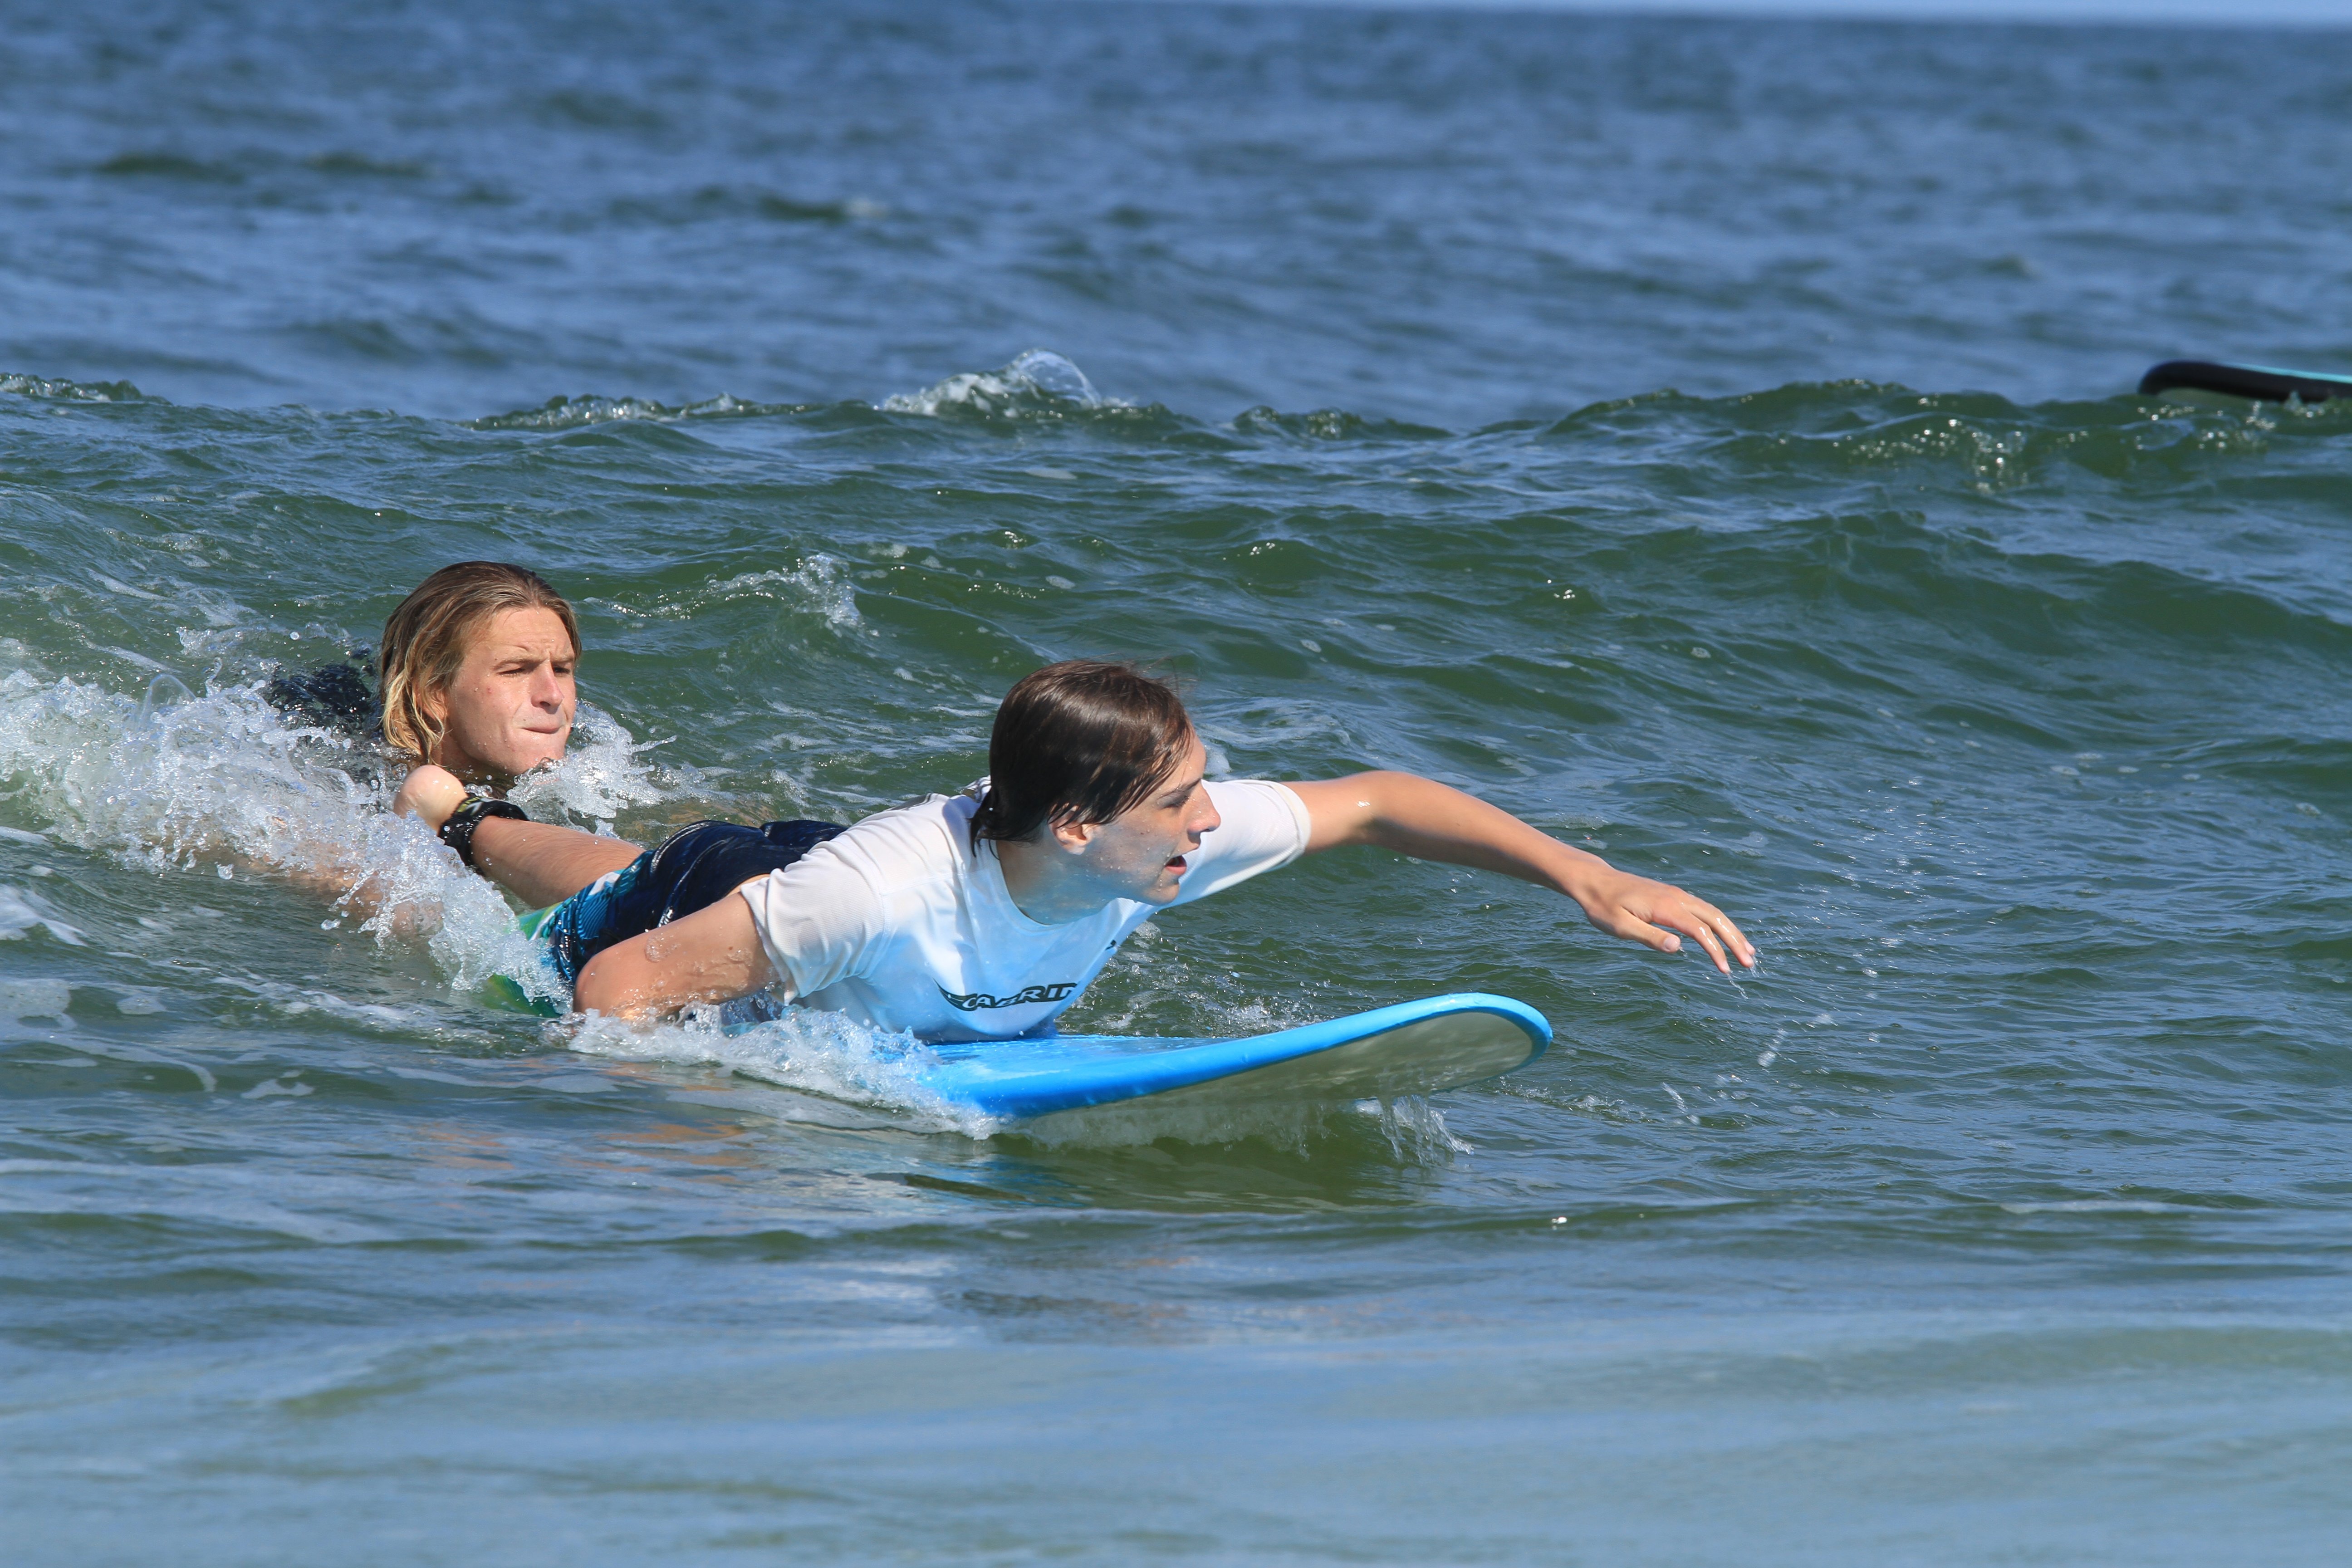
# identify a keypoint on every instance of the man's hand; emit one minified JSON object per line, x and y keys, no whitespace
{"x":538,"y":862}
{"x":430,"y":793}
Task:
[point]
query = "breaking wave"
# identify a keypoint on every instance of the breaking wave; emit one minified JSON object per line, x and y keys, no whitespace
{"x":1038,"y":383}
{"x":72,"y":391}
{"x":574,"y":413}
{"x":223,"y":785}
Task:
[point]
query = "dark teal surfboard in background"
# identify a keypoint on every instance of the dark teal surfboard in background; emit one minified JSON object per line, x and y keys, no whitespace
{"x":2203,"y":381}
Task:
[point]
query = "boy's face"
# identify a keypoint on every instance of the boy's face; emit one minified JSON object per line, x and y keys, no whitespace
{"x":1140,"y":854}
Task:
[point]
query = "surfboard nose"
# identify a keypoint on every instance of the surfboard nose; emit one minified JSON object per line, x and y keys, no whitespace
{"x":2182,"y":380}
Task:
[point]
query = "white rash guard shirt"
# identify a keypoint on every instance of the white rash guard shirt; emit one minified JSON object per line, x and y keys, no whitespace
{"x":900,"y":923}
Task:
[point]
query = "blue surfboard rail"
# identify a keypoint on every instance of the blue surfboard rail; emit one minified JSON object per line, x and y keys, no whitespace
{"x":1018,"y":1079}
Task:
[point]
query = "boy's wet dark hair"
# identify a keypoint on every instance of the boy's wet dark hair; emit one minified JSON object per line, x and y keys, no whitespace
{"x":1079,"y":742}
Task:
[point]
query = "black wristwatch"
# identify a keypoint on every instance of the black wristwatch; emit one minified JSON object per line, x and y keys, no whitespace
{"x":457,"y":832}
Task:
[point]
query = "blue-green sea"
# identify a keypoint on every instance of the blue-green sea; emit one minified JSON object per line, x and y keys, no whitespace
{"x":1715,"y":441}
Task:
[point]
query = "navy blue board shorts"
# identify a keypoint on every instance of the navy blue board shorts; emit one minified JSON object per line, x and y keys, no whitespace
{"x":692,"y":870}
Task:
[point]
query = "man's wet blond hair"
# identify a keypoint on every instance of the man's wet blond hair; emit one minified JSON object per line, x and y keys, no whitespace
{"x":425,"y":641}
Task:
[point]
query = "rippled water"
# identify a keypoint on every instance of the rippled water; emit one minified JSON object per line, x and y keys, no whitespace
{"x":1999,"y":1217}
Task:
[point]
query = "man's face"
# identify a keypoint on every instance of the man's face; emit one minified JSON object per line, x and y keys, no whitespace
{"x":1140,"y":854}
{"x":510,"y":707}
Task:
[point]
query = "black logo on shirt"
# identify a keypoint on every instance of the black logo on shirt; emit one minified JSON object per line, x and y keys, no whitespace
{"x":1026,"y":997}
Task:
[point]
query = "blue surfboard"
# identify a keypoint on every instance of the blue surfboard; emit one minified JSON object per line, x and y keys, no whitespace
{"x":1415,"y":1047}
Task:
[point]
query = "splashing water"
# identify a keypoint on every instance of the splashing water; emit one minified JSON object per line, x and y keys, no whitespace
{"x":818,"y":1053}
{"x":176,"y":783}
{"x":819,"y":582}
{"x":603,"y":772}
{"x":22,"y":911}
{"x":1037,"y":383}
{"x":72,"y":391}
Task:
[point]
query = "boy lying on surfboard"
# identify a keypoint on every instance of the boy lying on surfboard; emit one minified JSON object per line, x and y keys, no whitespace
{"x":980,"y":916}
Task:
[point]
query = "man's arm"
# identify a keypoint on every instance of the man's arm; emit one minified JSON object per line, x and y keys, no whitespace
{"x":538,"y":862}
{"x":711,"y":955}
{"x":1428,"y":821}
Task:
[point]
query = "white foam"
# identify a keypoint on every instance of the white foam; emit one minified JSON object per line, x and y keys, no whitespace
{"x":603,"y":770}
{"x":179,"y":784}
{"x":1039,"y":382}
{"x":21,"y":910}
{"x":23,"y":999}
{"x":819,"y":582}
{"x":73,"y":391}
{"x":572,"y":412}
{"x":819,"y":1053}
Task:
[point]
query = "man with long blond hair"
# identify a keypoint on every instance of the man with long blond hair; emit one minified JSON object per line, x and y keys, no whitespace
{"x":477,"y":677}
{"x":478,"y":688}
{"x":477,"y":671}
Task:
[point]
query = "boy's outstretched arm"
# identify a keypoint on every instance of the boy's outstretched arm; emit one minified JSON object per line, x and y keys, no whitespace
{"x":1427,"y":820}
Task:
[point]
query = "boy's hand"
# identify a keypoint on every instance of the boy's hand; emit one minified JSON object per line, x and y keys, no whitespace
{"x":1640,"y":910}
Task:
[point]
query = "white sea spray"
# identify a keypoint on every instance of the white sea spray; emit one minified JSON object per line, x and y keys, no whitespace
{"x":604,"y":771}
{"x":816,"y":583}
{"x":223,"y":785}
{"x":1037,"y":383}
{"x":35,"y":998}
{"x":818,"y":1053}
{"x":23,"y":911}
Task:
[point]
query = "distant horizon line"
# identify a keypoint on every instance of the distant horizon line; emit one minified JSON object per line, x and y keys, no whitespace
{"x":2236,"y":15}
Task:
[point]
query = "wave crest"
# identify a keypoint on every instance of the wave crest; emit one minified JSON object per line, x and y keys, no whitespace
{"x":72,"y":391}
{"x":1038,"y":383}
{"x":572,"y":413}
{"x":1847,"y":428}
{"x":225,"y":784}
{"x":1330,"y":425}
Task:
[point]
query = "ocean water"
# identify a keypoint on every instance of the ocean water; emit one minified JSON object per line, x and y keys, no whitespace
{"x":1711,"y":440}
